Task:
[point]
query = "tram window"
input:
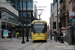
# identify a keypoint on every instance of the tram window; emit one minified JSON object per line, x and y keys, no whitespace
{"x":45,"y":28}
{"x":38,"y":28}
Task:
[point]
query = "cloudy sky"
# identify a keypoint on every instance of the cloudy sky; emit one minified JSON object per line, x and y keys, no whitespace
{"x":45,"y":5}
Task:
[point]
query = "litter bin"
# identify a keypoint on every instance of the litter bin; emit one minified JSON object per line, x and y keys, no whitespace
{"x":62,"y":34}
{"x":70,"y":35}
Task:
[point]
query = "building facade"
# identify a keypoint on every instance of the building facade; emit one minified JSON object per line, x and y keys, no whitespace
{"x":59,"y":17}
{"x":8,"y":18}
{"x":17,"y":4}
{"x":55,"y":13}
{"x":35,"y":11}
{"x":51,"y":19}
{"x":73,"y":10}
{"x":70,"y":11}
{"x":64,"y":15}
{"x":51,"y":23}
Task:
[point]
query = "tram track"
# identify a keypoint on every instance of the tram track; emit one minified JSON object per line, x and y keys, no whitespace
{"x":23,"y":48}
{"x":38,"y":46}
{"x":45,"y":48}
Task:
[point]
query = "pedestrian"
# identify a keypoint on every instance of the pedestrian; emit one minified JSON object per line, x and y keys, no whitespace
{"x":56,"y":36}
{"x":17,"y":34}
{"x":11,"y":36}
{"x":61,"y":38}
{"x":51,"y":36}
{"x":14,"y":36}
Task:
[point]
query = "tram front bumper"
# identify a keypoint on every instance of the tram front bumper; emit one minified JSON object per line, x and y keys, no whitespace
{"x":39,"y":38}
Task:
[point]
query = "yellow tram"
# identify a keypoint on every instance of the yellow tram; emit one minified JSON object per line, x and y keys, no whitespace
{"x":39,"y":30}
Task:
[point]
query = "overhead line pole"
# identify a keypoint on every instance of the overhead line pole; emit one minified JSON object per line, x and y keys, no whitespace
{"x":40,"y":13}
{"x":57,"y":15}
{"x":22,"y":25}
{"x":26,"y":24}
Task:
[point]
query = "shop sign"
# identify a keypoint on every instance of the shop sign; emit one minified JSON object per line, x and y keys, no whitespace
{"x":63,"y":27}
{"x":71,"y":14}
{"x":73,"y":20}
{"x":13,"y":25}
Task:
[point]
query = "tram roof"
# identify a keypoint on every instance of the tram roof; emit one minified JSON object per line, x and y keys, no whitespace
{"x":40,"y":21}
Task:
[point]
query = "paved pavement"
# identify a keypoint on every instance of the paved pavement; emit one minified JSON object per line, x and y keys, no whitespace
{"x":60,"y":46}
{"x":15,"y":44}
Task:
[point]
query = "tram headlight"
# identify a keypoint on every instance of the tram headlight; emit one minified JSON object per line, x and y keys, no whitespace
{"x":34,"y":35}
{"x":43,"y":35}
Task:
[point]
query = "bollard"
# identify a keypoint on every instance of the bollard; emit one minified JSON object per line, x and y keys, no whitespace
{"x":61,"y":40}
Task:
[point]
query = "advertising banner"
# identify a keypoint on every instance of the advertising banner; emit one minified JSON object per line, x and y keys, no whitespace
{"x":5,"y":33}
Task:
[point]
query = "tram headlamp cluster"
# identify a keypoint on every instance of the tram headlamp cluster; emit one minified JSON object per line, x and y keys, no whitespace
{"x":34,"y":35}
{"x":43,"y":35}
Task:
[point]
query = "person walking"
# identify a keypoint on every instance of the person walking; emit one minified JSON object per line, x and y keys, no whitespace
{"x":17,"y":34}
{"x":61,"y":38}
{"x":11,"y":36}
{"x":56,"y":36}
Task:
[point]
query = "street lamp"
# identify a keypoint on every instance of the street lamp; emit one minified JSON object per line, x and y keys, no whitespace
{"x":27,"y":40}
{"x":22,"y":25}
